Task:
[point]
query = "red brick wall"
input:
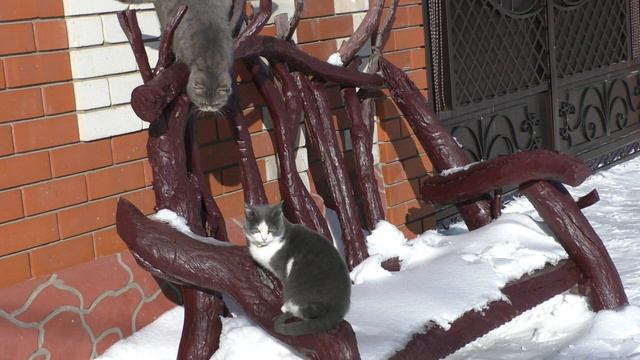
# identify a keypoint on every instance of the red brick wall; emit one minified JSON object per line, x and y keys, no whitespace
{"x":58,"y":195}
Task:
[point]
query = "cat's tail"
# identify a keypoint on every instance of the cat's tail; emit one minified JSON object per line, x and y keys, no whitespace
{"x":306,"y":326}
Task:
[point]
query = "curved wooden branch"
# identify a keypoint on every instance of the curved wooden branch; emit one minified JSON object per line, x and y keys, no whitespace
{"x":440,"y":146}
{"x":502,"y":172}
{"x":150,"y":100}
{"x":286,"y":115}
{"x":573,"y":231}
{"x":284,"y":51}
{"x":258,"y":21}
{"x":176,"y":257}
{"x":523,"y":294}
{"x":250,"y":178}
{"x":369,"y":24}
{"x":362,"y":143}
{"x":237,"y":17}
{"x":591,"y":198}
{"x":129,"y":24}
{"x":323,"y":135}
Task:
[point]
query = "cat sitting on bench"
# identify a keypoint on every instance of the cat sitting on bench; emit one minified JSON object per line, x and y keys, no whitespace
{"x":317,"y":287}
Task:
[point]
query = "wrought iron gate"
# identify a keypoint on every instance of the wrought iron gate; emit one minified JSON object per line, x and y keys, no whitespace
{"x":511,"y":75}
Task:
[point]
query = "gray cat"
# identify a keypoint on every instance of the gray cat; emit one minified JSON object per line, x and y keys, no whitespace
{"x":203,"y":42}
{"x":317,"y":287}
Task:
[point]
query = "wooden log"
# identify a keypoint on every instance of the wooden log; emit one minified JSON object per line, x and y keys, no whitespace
{"x":286,"y":115}
{"x":442,"y":149}
{"x":362,"y":144}
{"x":224,"y":268}
{"x":323,"y":135}
{"x":284,"y":51}
{"x":150,"y":99}
{"x":436,"y":343}
{"x":502,"y":172}
{"x":573,"y":231}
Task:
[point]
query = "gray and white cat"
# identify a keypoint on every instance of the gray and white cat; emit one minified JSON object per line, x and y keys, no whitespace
{"x":317,"y":287}
{"x":203,"y":42}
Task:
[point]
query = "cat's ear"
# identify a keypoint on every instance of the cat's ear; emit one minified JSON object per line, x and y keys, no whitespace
{"x":277,"y":210}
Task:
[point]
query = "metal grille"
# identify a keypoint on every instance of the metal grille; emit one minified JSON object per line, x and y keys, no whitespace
{"x":589,"y":35}
{"x":497,"y":48}
{"x":634,"y":15}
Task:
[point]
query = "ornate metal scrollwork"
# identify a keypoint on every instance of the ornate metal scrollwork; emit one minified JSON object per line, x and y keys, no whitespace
{"x":522,"y":9}
{"x":482,"y":141}
{"x":568,"y":4}
{"x":614,"y":156}
{"x":602,"y":109}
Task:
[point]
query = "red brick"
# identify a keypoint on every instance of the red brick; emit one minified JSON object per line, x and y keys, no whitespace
{"x":58,"y":99}
{"x":14,"y":269}
{"x":61,"y":255}
{"x":107,"y":242}
{"x":393,"y":172}
{"x":16,"y":38}
{"x":144,"y":200}
{"x":20,"y":104}
{"x":321,"y":49}
{"x":399,"y":149}
{"x":318,"y":8}
{"x":231,"y":204}
{"x":11,"y":206}
{"x":44,"y":133}
{"x":389,"y":130}
{"x":130,"y":146}
{"x":231,"y":179}
{"x":272,"y":191}
{"x":87,"y":217}
{"x":115,"y":180}
{"x":325,"y":28}
{"x":28,"y":233}
{"x":37,"y":69}
{"x":253,"y":119}
{"x":26,"y":169}
{"x":148,"y":172}
{"x":401,"y":192}
{"x":215,"y":182}
{"x":262,"y":144}
{"x":250,"y":96}
{"x":386,"y":108}
{"x":401,"y":59}
{"x":81,"y":157}
{"x":206,"y":130}
{"x":408,"y":38}
{"x":29,"y":9}
{"x":219,"y":155}
{"x":2,"y":82}
{"x":54,"y":194}
{"x":417,"y":166}
{"x":408,"y":16}
{"x":6,"y":141}
{"x":51,"y":35}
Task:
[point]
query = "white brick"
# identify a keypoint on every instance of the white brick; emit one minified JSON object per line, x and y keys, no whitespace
{"x":142,"y":6}
{"x":376,"y":153}
{"x":120,"y":87}
{"x":84,"y":31}
{"x":302,"y":161}
{"x":271,"y":163}
{"x":152,"y":52}
{"x":376,"y":124}
{"x":304,"y":176}
{"x":345,"y":6}
{"x":100,"y":61}
{"x":346,"y":135}
{"x":300,"y":138}
{"x":81,"y":7}
{"x":91,"y":94}
{"x":147,"y":20}
{"x":100,"y":124}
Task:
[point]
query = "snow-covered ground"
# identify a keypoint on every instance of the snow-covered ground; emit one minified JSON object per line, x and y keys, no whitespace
{"x":478,"y":264}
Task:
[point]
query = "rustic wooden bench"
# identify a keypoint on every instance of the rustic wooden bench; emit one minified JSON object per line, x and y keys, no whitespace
{"x":207,"y":270}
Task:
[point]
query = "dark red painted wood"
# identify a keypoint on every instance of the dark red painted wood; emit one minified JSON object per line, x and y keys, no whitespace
{"x":229,"y":269}
{"x":573,"y":231}
{"x":436,"y":343}
{"x":503,"y":172}
{"x":440,"y":146}
{"x":323,"y":136}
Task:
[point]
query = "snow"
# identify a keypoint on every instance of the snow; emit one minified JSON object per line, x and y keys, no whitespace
{"x":481,"y":263}
{"x":179,"y":223}
{"x":335,"y":59}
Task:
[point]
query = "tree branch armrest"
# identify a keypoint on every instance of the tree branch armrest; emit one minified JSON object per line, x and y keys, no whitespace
{"x":227,"y":269}
{"x":506,"y":171}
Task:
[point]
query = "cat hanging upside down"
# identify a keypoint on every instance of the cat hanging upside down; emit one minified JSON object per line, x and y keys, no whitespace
{"x":203,"y":42}
{"x":317,"y":287}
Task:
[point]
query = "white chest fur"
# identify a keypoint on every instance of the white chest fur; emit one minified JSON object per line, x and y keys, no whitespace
{"x":263,"y":254}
